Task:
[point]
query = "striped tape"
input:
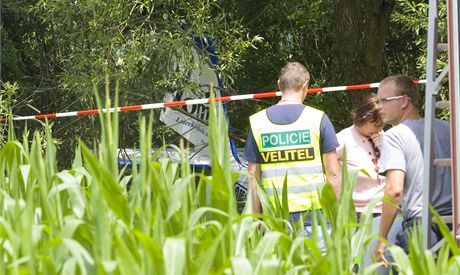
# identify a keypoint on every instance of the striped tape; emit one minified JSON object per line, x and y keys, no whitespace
{"x":195,"y":101}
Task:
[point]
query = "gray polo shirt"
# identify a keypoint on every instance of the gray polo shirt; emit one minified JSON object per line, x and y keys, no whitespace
{"x":402,"y":148}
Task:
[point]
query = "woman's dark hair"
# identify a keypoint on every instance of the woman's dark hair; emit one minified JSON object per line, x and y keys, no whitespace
{"x":367,"y":111}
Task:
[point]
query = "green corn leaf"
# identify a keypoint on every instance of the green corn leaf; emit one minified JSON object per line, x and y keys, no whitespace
{"x":442,"y":259}
{"x":198,"y":213}
{"x":25,"y":173}
{"x":10,"y":234}
{"x":264,"y":249}
{"x":241,"y":266}
{"x":298,"y":269}
{"x":71,"y":185}
{"x":430,"y":264}
{"x":111,"y":191}
{"x":174,"y":256}
{"x":270,"y":266}
{"x":371,"y":269}
{"x":329,"y":204}
{"x":10,"y":151}
{"x":70,"y":266}
{"x":454,"y":265}
{"x":154,"y":252}
{"x":278,"y":206}
{"x":446,"y":232}
{"x":78,"y":160}
{"x":127,"y":262}
{"x":178,"y":195}
{"x":207,"y":257}
{"x":361,"y":239}
{"x":284,"y":195}
{"x":264,"y":199}
{"x":71,"y":225}
{"x":80,"y":254}
{"x":297,"y":249}
{"x":402,"y":262}
{"x":243,"y":229}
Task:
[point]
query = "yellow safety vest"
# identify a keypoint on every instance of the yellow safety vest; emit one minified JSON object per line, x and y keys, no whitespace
{"x":292,"y":149}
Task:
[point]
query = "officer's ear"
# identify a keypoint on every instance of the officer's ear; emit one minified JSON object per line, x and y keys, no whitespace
{"x":278,"y":83}
{"x":305,"y":86}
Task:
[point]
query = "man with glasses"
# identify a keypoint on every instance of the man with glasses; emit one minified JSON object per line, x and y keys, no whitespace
{"x":401,"y":161}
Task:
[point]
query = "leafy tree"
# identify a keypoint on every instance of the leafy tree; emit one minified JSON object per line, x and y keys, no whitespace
{"x":62,"y":49}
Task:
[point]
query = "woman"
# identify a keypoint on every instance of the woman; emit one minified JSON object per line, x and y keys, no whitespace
{"x":362,"y":141}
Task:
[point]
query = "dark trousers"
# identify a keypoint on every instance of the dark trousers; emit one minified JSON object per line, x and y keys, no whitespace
{"x":408,"y":226}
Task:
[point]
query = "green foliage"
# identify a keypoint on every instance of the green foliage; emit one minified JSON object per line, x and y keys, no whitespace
{"x":410,"y":22}
{"x":57,"y":51}
{"x":410,"y":19}
{"x":7,"y":99}
{"x":422,"y":261}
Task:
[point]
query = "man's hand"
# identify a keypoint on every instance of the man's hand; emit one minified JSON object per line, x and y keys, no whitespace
{"x":379,"y":251}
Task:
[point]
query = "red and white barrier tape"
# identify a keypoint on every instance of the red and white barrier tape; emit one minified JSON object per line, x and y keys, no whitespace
{"x":196,"y":101}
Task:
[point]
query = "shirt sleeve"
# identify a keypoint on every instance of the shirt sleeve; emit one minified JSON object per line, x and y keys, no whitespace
{"x":251,"y":152}
{"x":339,"y":149}
{"x":392,"y":153}
{"x":328,"y":139}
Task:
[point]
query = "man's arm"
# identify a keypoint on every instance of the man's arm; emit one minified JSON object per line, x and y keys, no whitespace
{"x":393,"y":190}
{"x":253,"y":177}
{"x":333,"y":171}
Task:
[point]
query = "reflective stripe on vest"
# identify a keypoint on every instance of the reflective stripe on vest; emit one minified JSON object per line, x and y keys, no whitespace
{"x":306,"y":188}
{"x":292,"y":150}
{"x":295,"y":171}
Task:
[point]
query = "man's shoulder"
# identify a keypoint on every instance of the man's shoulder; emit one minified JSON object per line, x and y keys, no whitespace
{"x":442,"y":123}
{"x":401,"y":127}
{"x":402,"y":132}
{"x":417,"y":126}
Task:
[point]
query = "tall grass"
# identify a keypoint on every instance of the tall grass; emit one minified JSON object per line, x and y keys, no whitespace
{"x":95,"y":219}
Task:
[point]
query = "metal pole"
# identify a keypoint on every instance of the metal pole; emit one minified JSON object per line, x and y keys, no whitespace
{"x":453,"y":11}
{"x":430,"y":92}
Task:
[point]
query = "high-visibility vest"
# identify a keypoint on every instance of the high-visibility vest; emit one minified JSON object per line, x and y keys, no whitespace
{"x":293,"y":150}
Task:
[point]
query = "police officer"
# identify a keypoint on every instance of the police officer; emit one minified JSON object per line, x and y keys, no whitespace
{"x":296,"y":140}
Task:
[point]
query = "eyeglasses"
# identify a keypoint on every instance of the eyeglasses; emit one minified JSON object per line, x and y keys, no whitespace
{"x":386,"y":99}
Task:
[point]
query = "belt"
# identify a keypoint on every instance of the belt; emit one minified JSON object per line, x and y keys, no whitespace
{"x":407,"y":223}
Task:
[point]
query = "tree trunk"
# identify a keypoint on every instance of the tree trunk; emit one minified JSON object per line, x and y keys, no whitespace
{"x":359,"y":35}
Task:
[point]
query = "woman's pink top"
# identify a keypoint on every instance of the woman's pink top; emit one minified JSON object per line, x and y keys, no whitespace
{"x":361,"y":155}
